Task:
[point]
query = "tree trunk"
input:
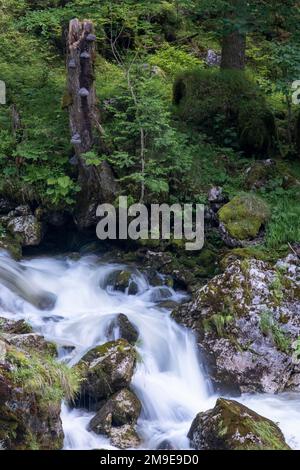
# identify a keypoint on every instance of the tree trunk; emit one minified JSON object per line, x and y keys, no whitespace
{"x":234,"y":51}
{"x":234,"y":42}
{"x":97,"y":183}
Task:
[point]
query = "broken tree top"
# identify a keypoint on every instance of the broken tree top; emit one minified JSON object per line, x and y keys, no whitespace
{"x":80,"y":31}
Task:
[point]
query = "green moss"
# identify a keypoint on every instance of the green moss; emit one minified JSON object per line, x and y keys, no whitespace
{"x":270,"y":327}
{"x":242,"y":429}
{"x":244,"y":215}
{"x":269,"y":439}
{"x":43,"y":376}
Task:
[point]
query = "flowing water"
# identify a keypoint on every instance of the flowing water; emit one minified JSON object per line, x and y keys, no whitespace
{"x":169,"y":379}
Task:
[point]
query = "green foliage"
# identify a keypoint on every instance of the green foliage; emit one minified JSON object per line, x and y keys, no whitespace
{"x":167,"y":154}
{"x":219,"y":321}
{"x":284,"y":226}
{"x":174,"y":60}
{"x":226,"y":105}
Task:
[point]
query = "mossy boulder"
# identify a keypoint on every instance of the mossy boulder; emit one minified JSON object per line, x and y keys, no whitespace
{"x":118,"y":417}
{"x":232,"y":426}
{"x":244,"y":216}
{"x":247,"y":320}
{"x":105,"y":370}
{"x":32,"y":386}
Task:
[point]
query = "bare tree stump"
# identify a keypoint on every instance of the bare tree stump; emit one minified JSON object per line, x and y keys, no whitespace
{"x":97,"y":183}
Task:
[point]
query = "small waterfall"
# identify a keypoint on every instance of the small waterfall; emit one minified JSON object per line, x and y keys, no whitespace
{"x":168,"y":380}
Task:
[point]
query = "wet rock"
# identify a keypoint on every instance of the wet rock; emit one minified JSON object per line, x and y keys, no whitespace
{"x":166,"y":445}
{"x":247,"y":320}
{"x":106,"y":369}
{"x":160,"y":294}
{"x":121,"y":327}
{"x":232,"y":426}
{"x":121,"y":409}
{"x":243,"y":217}
{"x":27,"y":228}
{"x":53,"y":318}
{"x":122,"y":281}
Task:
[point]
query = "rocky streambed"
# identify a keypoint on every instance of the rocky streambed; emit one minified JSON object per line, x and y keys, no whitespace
{"x":99,"y":360}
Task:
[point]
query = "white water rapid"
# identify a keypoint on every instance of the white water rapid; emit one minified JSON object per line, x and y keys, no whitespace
{"x":168,"y":380}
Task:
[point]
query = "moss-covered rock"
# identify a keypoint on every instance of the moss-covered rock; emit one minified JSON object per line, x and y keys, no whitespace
{"x":247,"y":320}
{"x":244,"y":216}
{"x":105,"y":370}
{"x":31,"y":389}
{"x":232,"y":426}
{"x":122,"y":409}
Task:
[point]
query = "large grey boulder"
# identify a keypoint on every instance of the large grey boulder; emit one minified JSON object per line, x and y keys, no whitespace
{"x":248,"y":326}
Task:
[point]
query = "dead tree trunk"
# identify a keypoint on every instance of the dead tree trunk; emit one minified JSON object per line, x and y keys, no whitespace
{"x":97,"y":182}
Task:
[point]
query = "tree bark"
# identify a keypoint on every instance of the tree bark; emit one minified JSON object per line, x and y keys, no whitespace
{"x":97,"y":183}
{"x":234,"y":42}
{"x":234,"y":51}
